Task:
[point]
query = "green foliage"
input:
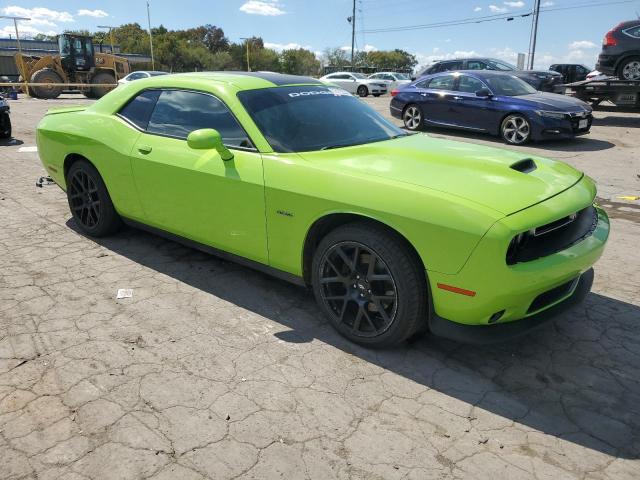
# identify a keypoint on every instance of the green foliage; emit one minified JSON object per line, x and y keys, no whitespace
{"x":391,"y":60}
{"x":299,"y":61}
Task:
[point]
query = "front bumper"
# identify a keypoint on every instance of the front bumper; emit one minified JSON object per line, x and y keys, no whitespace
{"x":545,"y":128}
{"x":500,"y":332}
{"x":514,"y":293}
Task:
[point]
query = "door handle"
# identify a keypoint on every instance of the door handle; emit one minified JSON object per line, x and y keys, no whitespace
{"x":144,"y":149}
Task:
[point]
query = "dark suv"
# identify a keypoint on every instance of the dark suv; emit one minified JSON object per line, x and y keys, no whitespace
{"x":620,"y":54}
{"x":571,"y":72}
{"x":543,"y":80}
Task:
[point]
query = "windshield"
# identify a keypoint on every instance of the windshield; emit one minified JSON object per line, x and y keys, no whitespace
{"x":502,"y":66}
{"x":508,"y":85}
{"x":401,"y":76}
{"x":306,"y":118}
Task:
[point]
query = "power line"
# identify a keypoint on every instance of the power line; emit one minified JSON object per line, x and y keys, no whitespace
{"x":491,"y":18}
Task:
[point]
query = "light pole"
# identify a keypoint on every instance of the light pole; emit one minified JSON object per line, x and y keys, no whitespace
{"x":247,"y":40}
{"x":153,"y":62}
{"x":352,"y":21}
{"x":110,"y":35}
{"x":15,"y":24}
{"x":534,"y":33}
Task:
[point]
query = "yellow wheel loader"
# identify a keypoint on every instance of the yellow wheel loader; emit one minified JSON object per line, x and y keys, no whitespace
{"x":76,"y":64}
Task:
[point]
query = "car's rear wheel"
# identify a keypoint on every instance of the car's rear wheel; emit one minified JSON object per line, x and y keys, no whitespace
{"x":363,"y":91}
{"x":89,"y":201}
{"x":370,"y":285}
{"x":630,"y":69}
{"x":412,"y":117}
{"x":516,"y":129}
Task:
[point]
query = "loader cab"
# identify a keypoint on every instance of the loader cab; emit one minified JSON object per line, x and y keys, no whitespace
{"x":76,"y":52}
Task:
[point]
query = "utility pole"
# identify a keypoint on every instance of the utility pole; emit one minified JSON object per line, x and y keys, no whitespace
{"x":247,"y":40}
{"x":153,"y":62}
{"x":110,"y":35}
{"x":15,"y":24}
{"x":534,"y":33}
{"x":353,"y":33}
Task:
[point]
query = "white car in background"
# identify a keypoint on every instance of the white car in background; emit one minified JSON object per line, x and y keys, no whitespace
{"x":596,"y":75}
{"x":392,"y":79}
{"x":139,"y":75}
{"x":358,"y":83}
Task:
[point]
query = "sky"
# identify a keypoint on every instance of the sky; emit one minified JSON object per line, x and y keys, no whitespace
{"x":573,"y":35}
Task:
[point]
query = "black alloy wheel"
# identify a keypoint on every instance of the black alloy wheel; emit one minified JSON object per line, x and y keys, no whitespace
{"x":89,"y":201}
{"x":358,"y":288}
{"x":370,"y":285}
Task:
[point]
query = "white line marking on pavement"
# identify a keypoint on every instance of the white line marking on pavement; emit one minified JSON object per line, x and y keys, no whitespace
{"x":27,"y":149}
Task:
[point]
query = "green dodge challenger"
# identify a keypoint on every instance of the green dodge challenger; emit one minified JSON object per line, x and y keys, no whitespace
{"x":395,"y":233}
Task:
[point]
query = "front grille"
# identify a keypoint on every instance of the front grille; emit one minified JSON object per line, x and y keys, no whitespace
{"x":552,"y":237}
{"x":551,"y":296}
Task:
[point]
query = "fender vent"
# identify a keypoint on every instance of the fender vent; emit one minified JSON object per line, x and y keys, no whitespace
{"x":525,"y":166}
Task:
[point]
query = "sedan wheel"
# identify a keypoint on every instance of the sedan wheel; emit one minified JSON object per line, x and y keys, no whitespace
{"x":631,"y":70}
{"x":369,"y":285}
{"x":363,"y":91}
{"x":89,"y":201}
{"x":412,"y":117}
{"x":516,"y":130}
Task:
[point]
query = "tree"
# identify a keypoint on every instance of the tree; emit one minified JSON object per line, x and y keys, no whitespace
{"x":299,"y":62}
{"x":392,"y":60}
{"x":336,"y":57}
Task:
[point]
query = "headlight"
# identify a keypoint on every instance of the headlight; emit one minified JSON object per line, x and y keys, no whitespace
{"x":551,"y":114}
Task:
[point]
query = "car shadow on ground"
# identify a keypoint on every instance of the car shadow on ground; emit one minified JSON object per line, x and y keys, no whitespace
{"x":575,"y":379}
{"x":617,"y":121}
{"x":578,"y":144}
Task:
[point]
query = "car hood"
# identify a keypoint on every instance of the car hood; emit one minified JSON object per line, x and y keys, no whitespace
{"x":551,"y":101}
{"x":480,"y":174}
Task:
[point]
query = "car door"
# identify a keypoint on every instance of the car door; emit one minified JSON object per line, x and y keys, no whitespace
{"x":472,"y":111}
{"x":194,"y":193}
{"x":344,"y":80}
{"x":436,"y":97}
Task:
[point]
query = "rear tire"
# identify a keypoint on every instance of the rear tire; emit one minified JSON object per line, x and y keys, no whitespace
{"x":370,"y":285}
{"x":363,"y":91}
{"x":412,"y":117}
{"x":377,"y":94}
{"x":90,"y":202}
{"x":46,"y":75}
{"x":100,"y":78}
{"x":629,"y":69}
{"x":5,"y":125}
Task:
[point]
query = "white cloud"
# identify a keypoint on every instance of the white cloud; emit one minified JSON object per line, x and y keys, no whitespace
{"x":39,"y":15}
{"x":83,"y":12}
{"x":477,"y":9}
{"x":267,"y":8}
{"x":548,"y":4}
{"x":367,"y":48}
{"x":496,"y":9}
{"x":518,"y":4}
{"x":285,"y":46}
{"x":25,"y":31}
{"x":581,"y":44}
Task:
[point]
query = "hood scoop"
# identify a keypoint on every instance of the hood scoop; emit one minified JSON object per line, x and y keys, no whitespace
{"x":525,"y":166}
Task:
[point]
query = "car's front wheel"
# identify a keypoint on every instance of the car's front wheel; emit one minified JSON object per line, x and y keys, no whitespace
{"x":362,"y":91}
{"x":370,"y":285}
{"x":630,"y":69}
{"x":412,"y":117}
{"x":516,"y":129}
{"x":89,"y":201}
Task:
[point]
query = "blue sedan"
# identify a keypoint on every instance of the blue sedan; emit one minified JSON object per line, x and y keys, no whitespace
{"x":493,"y":102}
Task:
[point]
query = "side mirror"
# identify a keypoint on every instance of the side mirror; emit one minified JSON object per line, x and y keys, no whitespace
{"x":208,"y":139}
{"x":484,"y":92}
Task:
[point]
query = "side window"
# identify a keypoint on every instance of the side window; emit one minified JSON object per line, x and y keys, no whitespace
{"x":469,"y":84}
{"x":388,"y":77}
{"x":476,"y":65}
{"x":138,"y":111}
{"x":375,"y":76}
{"x":422,"y":84}
{"x":179,"y":113}
{"x":445,"y":82}
{"x":633,"y":31}
{"x":449,"y":66}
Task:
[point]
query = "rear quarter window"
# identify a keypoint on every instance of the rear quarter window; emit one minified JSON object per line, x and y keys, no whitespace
{"x":138,"y":111}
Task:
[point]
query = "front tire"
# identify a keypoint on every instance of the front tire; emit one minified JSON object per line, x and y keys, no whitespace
{"x":369,"y":284}
{"x":516,"y":129}
{"x":630,"y":69}
{"x":377,"y":95}
{"x":412,"y":117}
{"x":90,"y":202}
{"x":362,"y":91}
{"x":46,"y":75}
{"x":101,"y":78}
